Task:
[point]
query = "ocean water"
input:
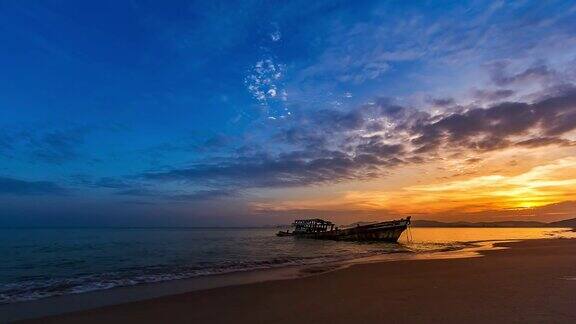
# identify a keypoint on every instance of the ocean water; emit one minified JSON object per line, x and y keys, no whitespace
{"x":41,"y":263}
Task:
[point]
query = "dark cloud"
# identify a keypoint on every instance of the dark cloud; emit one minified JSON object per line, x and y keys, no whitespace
{"x":139,"y":203}
{"x":58,"y":146}
{"x":490,"y":129}
{"x":302,"y":137}
{"x":104,"y":182}
{"x":217,"y":141}
{"x":375,"y":146}
{"x":204,"y":195}
{"x":492,"y":95}
{"x":538,"y":72}
{"x":194,"y":142}
{"x":333,"y":146}
{"x":545,"y":141}
{"x":10,"y":186}
{"x":139,"y":192}
{"x":112,"y":183}
{"x":288,"y":170}
{"x":339,"y":121}
{"x":199,"y":195}
{"x":442,"y":102}
{"x":39,"y":143}
{"x":473,"y":160}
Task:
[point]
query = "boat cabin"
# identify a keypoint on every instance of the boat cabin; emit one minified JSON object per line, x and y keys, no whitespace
{"x":312,"y":225}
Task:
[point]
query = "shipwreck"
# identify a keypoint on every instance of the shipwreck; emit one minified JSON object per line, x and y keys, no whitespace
{"x":388,"y":231}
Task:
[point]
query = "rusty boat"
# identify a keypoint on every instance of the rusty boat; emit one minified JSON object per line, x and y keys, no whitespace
{"x":320,"y":229}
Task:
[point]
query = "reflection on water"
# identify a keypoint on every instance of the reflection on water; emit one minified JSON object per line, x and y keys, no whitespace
{"x":38,"y":263}
{"x":448,"y":235}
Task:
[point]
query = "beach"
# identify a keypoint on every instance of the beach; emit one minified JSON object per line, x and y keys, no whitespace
{"x":532,"y":281}
{"x":288,"y":162}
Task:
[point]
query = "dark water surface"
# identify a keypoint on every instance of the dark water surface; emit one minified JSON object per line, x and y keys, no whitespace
{"x":39,"y":263}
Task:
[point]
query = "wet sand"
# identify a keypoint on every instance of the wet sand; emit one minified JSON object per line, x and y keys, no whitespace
{"x":532,"y":282}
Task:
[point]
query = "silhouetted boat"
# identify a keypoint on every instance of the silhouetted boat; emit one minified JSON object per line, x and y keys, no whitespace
{"x":319,"y":229}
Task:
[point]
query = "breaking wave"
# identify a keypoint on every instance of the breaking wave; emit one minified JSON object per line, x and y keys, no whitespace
{"x":37,"y":288}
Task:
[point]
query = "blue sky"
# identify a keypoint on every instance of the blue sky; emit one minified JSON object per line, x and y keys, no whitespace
{"x":184,"y":112}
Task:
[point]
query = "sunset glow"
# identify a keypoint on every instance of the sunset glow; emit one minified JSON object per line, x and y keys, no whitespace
{"x":239,"y":116}
{"x":287,"y":162}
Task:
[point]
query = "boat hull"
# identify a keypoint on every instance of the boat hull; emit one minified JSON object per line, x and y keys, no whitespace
{"x":383,"y":232}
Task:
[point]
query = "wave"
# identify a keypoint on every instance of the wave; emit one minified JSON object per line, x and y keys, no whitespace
{"x":37,"y":288}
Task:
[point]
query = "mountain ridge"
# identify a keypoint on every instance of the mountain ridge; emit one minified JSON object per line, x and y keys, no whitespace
{"x":431,"y":223}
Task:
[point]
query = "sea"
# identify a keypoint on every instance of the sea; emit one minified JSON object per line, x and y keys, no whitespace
{"x":46,"y":262}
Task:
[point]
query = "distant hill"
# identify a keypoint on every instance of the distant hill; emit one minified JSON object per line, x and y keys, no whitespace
{"x":564,"y":223}
{"x":430,"y":223}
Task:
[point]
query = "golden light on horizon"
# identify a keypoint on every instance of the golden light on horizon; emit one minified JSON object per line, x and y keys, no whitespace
{"x":528,"y":204}
{"x":538,"y":186}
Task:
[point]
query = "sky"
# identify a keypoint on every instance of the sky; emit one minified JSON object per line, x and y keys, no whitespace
{"x":232,"y":113}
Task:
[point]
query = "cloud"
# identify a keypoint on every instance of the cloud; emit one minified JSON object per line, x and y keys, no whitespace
{"x":104,"y":182}
{"x":346,"y":67}
{"x":11,"y":186}
{"x":138,"y":203}
{"x":473,"y":160}
{"x":493,"y":128}
{"x":42,"y":144}
{"x":542,"y":185}
{"x":285,"y":170}
{"x":139,"y":192}
{"x":263,"y":79}
{"x":58,"y":146}
{"x":205,"y":195}
{"x":195,"y":196}
{"x":442,"y":102}
{"x":109,"y":182}
{"x":215,"y":142}
{"x":384,"y":44}
{"x":275,"y":35}
{"x":301,"y":137}
{"x":375,"y":146}
{"x":545,"y":141}
{"x":539,"y":186}
{"x":330,"y":146}
{"x":492,"y":95}
{"x":538,"y":72}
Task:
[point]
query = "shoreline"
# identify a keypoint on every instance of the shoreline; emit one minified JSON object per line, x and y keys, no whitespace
{"x":57,"y":295}
{"x":527,"y":281}
{"x":70,"y":303}
{"x":87,"y":306}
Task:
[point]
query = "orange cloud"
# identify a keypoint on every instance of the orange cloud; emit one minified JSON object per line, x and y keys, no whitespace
{"x":541,"y":185}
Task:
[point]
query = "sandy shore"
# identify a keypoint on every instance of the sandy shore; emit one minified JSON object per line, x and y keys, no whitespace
{"x":532,"y":282}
